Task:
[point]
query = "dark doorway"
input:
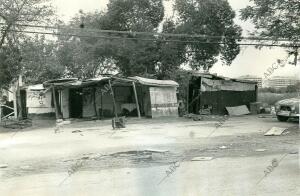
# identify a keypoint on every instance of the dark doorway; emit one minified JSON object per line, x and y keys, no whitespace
{"x":23,"y":104}
{"x":75,"y":103}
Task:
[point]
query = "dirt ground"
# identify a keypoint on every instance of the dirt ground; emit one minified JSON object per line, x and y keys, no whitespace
{"x":89,"y":158}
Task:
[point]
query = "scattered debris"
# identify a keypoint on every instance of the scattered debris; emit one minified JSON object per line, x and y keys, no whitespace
{"x":260,"y":150}
{"x":197,"y":118}
{"x":17,"y":124}
{"x":61,"y":122}
{"x":202,"y":159}
{"x":223,"y":147}
{"x":275,"y":131}
{"x":273,"y":111}
{"x":205,"y":111}
{"x":238,"y":110}
{"x":118,"y":122}
{"x":76,"y":131}
{"x":255,"y":107}
{"x":85,"y":157}
{"x":285,"y":132}
{"x":2,"y":166}
{"x":66,"y":122}
{"x":156,"y":151}
{"x":25,"y":167}
{"x":192,"y":134}
{"x":267,"y":116}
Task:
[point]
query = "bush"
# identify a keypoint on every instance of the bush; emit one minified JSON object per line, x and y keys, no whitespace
{"x":272,"y":98}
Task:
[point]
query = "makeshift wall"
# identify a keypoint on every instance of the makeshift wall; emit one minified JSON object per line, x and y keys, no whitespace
{"x":163,"y":101}
{"x":104,"y":101}
{"x":225,"y":85}
{"x":88,"y":109}
{"x":64,"y":96}
{"x":219,"y":94}
{"x":143,"y":93}
{"x":39,"y":102}
{"x":124,"y":96}
{"x":221,"y":99}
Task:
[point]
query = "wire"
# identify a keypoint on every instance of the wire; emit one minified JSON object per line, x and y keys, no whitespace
{"x":144,"y":39}
{"x":157,"y":34}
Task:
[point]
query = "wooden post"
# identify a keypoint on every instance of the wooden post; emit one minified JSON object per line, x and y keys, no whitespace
{"x":200,"y":95}
{"x":136,"y":100}
{"x":187,"y":98}
{"x":19,"y":104}
{"x":55,"y":103}
{"x":113,"y":98}
{"x":101,"y":104}
{"x":95,"y":104}
{"x":0,"y":112}
{"x":15,"y":103}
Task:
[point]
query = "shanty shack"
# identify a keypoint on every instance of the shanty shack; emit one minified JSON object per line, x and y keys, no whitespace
{"x":105,"y":97}
{"x":208,"y":92}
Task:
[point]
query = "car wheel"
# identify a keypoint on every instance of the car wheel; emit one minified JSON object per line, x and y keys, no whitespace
{"x":282,"y":118}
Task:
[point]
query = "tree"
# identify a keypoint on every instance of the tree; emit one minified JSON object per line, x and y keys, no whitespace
{"x":10,"y":59}
{"x":170,"y":54}
{"x":39,"y":60}
{"x":85,"y":56}
{"x":133,"y":15}
{"x":213,"y":18}
{"x":14,"y":13}
{"x":136,"y":56}
{"x":293,"y":88}
{"x":276,"y":19}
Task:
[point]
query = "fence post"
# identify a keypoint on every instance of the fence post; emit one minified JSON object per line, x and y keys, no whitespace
{"x":136,"y":100}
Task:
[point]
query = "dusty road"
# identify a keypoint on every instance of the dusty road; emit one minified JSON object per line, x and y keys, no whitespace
{"x":89,"y":158}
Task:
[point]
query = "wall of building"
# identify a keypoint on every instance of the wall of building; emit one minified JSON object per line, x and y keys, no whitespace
{"x":64,"y":100}
{"x":280,"y":82}
{"x":104,"y":101}
{"x":163,"y":101}
{"x":88,"y":109}
{"x":38,"y":102}
{"x":218,"y":94}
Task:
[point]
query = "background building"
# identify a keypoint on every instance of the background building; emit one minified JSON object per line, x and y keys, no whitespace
{"x":280,"y":81}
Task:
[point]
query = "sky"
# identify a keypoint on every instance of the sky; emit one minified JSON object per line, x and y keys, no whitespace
{"x":250,"y":61}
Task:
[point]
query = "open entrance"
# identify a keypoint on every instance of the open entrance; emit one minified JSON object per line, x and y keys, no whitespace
{"x":23,"y":106}
{"x":76,"y":103}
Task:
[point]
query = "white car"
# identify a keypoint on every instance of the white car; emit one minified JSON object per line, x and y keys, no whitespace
{"x":287,"y":108}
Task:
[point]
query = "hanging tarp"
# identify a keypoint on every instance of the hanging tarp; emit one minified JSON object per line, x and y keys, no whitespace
{"x":225,"y":85}
{"x":238,"y":110}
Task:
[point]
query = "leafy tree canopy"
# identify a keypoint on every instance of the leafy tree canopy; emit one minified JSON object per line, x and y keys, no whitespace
{"x":10,"y":59}
{"x":14,"y":14}
{"x":275,"y":18}
{"x":39,"y":60}
{"x":213,"y":18}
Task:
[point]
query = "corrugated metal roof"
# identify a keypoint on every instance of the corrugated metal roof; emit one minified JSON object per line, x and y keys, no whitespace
{"x":216,"y":77}
{"x":75,"y":83}
{"x":36,"y":87}
{"x":153,"y":82}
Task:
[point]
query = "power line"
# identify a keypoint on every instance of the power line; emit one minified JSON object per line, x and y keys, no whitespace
{"x":157,"y":34}
{"x":150,"y":39}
